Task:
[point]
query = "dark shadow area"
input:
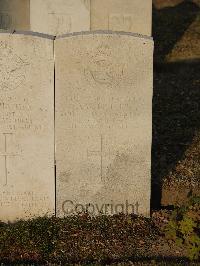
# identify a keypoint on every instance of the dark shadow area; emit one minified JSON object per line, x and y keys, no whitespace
{"x":176,"y":101}
{"x":148,"y":260}
{"x":128,"y":260}
{"x":169,"y":25}
{"x":176,"y":118}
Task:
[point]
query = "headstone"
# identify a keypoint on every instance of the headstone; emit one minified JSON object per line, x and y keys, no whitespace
{"x":103,"y":123}
{"x":14,"y":14}
{"x":60,"y":16}
{"x":26,"y":127}
{"x":66,"y":16}
{"x":122,"y":15}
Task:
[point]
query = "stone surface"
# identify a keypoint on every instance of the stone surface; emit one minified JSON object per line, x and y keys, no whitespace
{"x":103,"y":122}
{"x":60,"y":16}
{"x":26,"y":127}
{"x":14,"y":14}
{"x":122,"y":15}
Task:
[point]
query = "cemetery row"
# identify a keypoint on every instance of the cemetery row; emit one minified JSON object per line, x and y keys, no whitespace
{"x":66,"y":16}
{"x":82,"y":103}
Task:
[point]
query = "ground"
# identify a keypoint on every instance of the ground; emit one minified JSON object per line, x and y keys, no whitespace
{"x":102,"y":240}
{"x":130,"y":240}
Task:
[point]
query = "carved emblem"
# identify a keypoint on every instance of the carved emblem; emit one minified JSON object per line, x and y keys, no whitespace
{"x":12,"y":69}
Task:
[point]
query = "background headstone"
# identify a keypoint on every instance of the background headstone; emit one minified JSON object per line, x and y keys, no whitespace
{"x":122,"y":15}
{"x":27,"y":187}
{"x":60,"y":16}
{"x":14,"y":14}
{"x":66,"y":16}
{"x":103,"y":122}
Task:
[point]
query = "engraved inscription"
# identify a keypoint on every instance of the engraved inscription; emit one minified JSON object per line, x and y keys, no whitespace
{"x":109,"y":113}
{"x":6,"y":155}
{"x":5,"y":20}
{"x":120,"y":22}
{"x":25,"y":199}
{"x":15,"y":115}
{"x":59,"y":23}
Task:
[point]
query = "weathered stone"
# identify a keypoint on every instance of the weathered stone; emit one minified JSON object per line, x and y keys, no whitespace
{"x":122,"y":15}
{"x":26,"y":126}
{"x":60,"y":16}
{"x":14,"y":14}
{"x":103,"y":122}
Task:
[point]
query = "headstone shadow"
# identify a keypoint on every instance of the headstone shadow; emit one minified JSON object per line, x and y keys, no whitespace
{"x":169,"y":25}
{"x":176,"y":98}
{"x":175,"y":118}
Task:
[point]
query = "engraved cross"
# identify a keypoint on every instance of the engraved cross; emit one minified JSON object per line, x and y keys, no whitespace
{"x":6,"y":156}
{"x":98,"y":153}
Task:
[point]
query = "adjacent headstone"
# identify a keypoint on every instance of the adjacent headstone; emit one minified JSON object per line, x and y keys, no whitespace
{"x":27,"y":186}
{"x":60,"y":16}
{"x":103,"y":123}
{"x":14,"y":14}
{"x":122,"y":15}
{"x":45,"y":16}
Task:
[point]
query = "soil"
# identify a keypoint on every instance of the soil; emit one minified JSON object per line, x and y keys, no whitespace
{"x":82,"y":239}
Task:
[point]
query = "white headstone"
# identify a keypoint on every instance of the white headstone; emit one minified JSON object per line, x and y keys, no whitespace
{"x":122,"y":15}
{"x":103,"y":123}
{"x":26,"y":127}
{"x":60,"y":16}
